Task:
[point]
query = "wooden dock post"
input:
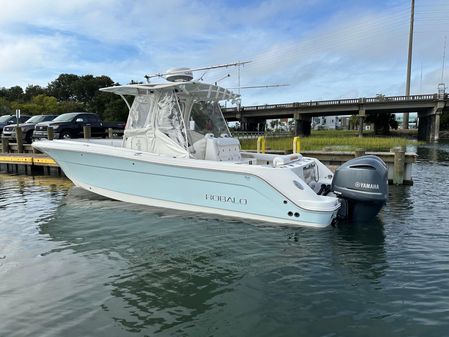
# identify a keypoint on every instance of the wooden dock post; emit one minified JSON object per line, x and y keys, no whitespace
{"x":5,"y":145}
{"x":50,"y":133}
{"x":19,"y":139}
{"x":87,"y":131}
{"x":110,"y":133}
{"x":359,"y":152}
{"x":399,"y":166}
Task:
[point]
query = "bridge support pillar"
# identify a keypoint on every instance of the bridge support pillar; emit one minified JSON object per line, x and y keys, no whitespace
{"x":429,"y":124}
{"x":361,"y":124}
{"x":303,"y":125}
{"x":252,"y":124}
{"x":361,"y":118}
{"x":423,"y":126}
{"x":435,"y":127}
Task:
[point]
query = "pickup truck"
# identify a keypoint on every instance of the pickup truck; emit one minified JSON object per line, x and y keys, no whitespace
{"x":9,"y":120}
{"x":70,"y":125}
{"x":9,"y":131}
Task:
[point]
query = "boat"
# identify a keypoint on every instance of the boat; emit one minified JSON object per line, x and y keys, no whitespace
{"x":177,"y":152}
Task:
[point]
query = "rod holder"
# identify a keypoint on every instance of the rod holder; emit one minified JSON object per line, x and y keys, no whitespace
{"x":261,"y":144}
{"x":296,"y":144}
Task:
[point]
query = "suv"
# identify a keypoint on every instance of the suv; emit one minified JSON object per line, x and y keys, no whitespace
{"x":70,"y":125}
{"x":11,"y":119}
{"x":27,"y":128}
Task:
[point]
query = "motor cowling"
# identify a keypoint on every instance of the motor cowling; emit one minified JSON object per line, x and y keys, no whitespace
{"x":362,"y":186}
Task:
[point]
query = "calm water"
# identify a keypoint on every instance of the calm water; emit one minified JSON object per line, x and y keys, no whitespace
{"x":74,"y":264}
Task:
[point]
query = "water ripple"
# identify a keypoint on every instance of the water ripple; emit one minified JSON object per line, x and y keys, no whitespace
{"x":75,"y":264}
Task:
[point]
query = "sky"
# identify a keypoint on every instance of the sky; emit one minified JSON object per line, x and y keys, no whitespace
{"x":321,"y":49}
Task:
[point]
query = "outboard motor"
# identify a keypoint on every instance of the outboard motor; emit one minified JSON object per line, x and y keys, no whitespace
{"x":362,"y":186}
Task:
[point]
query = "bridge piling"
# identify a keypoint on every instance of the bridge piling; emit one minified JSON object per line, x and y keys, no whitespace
{"x":361,"y":120}
{"x":435,"y":128}
{"x":303,"y":125}
{"x":429,"y":123}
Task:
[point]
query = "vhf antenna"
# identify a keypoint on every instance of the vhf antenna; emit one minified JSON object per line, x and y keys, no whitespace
{"x":235,"y":64}
{"x":261,"y":86}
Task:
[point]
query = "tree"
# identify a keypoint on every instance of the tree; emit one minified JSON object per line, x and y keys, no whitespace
{"x":63,"y":88}
{"x":39,"y":105}
{"x":116,"y":109}
{"x":14,"y":94}
{"x":275,"y":124}
{"x":70,"y":106}
{"x":67,"y":93}
{"x":382,"y":122}
{"x":5,"y":107}
{"x":84,"y":91}
{"x":354,"y":122}
{"x":33,"y":90}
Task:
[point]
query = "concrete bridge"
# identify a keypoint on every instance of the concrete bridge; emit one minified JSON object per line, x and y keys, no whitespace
{"x":429,"y":108}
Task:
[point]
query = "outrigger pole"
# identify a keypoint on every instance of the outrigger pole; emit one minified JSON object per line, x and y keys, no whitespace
{"x":235,"y":64}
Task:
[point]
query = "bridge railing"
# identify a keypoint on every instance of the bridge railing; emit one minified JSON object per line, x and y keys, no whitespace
{"x":256,"y":134}
{"x":362,"y":100}
{"x":401,"y":98}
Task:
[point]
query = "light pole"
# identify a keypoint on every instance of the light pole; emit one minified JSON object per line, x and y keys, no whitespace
{"x":409,"y":62}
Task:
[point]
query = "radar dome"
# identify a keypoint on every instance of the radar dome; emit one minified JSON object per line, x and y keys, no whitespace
{"x":179,"y":75}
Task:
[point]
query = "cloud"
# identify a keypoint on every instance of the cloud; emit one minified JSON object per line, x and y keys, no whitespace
{"x":323,"y":49}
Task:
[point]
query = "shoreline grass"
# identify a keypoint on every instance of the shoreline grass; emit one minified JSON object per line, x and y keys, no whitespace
{"x":333,"y":140}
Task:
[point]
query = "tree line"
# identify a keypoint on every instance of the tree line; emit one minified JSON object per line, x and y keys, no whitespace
{"x":67,"y":93}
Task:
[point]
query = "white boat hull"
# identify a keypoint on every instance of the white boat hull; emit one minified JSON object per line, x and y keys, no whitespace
{"x":218,"y":188}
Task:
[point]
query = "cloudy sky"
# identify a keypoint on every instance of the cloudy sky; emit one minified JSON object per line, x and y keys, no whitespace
{"x":324,"y":49}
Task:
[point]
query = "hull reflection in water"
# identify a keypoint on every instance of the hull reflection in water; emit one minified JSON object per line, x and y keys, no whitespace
{"x":163,"y":278}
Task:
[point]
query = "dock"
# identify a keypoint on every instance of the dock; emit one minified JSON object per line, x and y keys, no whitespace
{"x":29,"y":163}
{"x":24,"y":159}
{"x":398,"y":161}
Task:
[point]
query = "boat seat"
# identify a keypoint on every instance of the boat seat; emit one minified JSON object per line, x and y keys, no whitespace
{"x":199,"y":148}
{"x":222,"y":148}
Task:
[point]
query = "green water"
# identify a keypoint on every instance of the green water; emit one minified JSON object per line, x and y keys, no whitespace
{"x":75,"y":264}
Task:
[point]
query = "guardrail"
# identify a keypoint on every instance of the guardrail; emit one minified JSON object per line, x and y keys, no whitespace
{"x":362,"y":100}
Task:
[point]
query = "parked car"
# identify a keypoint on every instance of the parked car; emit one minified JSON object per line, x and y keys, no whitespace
{"x":11,"y":119}
{"x":70,"y":125}
{"x":27,"y":128}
